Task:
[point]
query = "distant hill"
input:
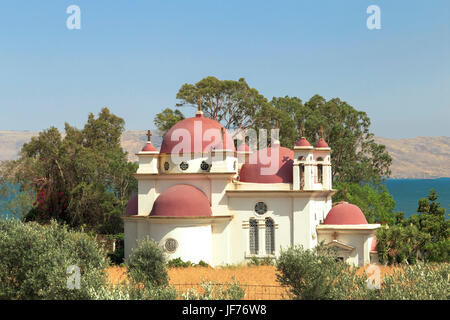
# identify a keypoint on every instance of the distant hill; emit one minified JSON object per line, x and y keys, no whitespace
{"x":420,"y":158}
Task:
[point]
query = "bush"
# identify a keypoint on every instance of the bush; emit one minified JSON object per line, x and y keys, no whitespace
{"x":417,"y":282}
{"x":35,"y":261}
{"x":179,"y":263}
{"x":147,"y":264}
{"x":266,"y":261}
{"x":214,"y":291}
{"x":316,"y":274}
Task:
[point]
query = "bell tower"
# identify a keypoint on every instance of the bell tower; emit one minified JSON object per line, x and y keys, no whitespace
{"x":303,"y":164}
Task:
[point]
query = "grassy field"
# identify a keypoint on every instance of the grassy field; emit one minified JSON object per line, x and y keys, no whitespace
{"x":260,"y":281}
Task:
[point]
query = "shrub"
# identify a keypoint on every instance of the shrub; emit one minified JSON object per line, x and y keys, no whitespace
{"x":147,"y":264}
{"x":266,"y":261}
{"x":215,"y":291}
{"x":417,"y":282}
{"x":35,"y":258}
{"x":316,"y":274}
{"x":178,"y":263}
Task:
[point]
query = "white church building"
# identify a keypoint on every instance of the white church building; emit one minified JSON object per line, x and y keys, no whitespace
{"x":201,"y":198}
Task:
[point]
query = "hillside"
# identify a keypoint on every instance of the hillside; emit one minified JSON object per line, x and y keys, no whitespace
{"x":421,"y":157}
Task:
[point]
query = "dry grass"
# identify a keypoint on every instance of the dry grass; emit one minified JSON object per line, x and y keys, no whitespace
{"x":260,"y":280}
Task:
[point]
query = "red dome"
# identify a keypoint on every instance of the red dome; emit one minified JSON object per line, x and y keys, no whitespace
{"x":132,"y":206}
{"x":203,"y":126}
{"x":302,"y":142}
{"x":243,"y":148}
{"x":181,"y":200}
{"x":149,"y":147}
{"x":345,"y":213}
{"x":251,"y":171}
{"x":321,"y":144}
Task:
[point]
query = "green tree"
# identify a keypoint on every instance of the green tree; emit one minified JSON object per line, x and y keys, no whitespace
{"x":431,"y":220}
{"x":167,"y":118}
{"x":423,"y":236}
{"x":82,"y":179}
{"x":356,"y":157}
{"x":232,"y":103}
{"x":375,"y":201}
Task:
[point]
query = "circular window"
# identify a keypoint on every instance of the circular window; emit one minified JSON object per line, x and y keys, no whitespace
{"x":204,"y":165}
{"x":184,"y":165}
{"x":166,"y":166}
{"x":171,"y":245}
{"x":260,"y":208}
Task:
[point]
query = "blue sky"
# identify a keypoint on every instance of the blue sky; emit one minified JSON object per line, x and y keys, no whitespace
{"x":133,"y":56}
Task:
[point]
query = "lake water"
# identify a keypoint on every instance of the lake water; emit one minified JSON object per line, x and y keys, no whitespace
{"x":407,"y":192}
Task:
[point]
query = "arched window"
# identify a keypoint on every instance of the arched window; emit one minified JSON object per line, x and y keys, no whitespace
{"x":320,"y":173}
{"x":253,"y":236}
{"x":270,"y":236}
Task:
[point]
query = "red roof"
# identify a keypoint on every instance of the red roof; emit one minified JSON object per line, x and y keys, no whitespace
{"x":321,"y":144}
{"x":252,"y":170}
{"x":132,"y":206}
{"x":202,"y":134}
{"x":181,"y":200}
{"x":148,"y":147}
{"x":345,"y":213}
{"x":302,"y":142}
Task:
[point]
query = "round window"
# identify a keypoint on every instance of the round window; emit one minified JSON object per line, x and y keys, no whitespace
{"x":204,"y":165}
{"x":260,"y":208}
{"x":166,"y":166}
{"x":171,"y":245}
{"x":184,"y":165}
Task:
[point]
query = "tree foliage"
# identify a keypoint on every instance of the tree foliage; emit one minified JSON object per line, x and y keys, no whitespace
{"x":232,"y":103}
{"x":35,"y":261}
{"x":167,"y":118}
{"x":82,"y":178}
{"x":423,"y":236}
{"x":375,"y":202}
{"x":356,"y":157}
{"x":317,"y":275}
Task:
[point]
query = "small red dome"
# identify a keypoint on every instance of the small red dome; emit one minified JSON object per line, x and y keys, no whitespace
{"x":181,"y":200}
{"x":132,"y":206}
{"x":148,"y":147}
{"x":373,"y":246}
{"x":345,"y":213}
{"x":206,"y":130}
{"x":321,"y":144}
{"x":302,"y":142}
{"x":251,"y":171}
{"x":243,"y":148}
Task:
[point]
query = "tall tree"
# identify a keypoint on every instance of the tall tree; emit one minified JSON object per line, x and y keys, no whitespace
{"x":356,"y":157}
{"x":167,"y":118}
{"x":83,"y":178}
{"x":232,"y":103}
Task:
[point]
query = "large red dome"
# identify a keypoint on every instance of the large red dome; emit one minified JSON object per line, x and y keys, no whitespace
{"x":345,"y":213}
{"x":181,"y":200}
{"x":205,"y":131}
{"x":252,"y":172}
